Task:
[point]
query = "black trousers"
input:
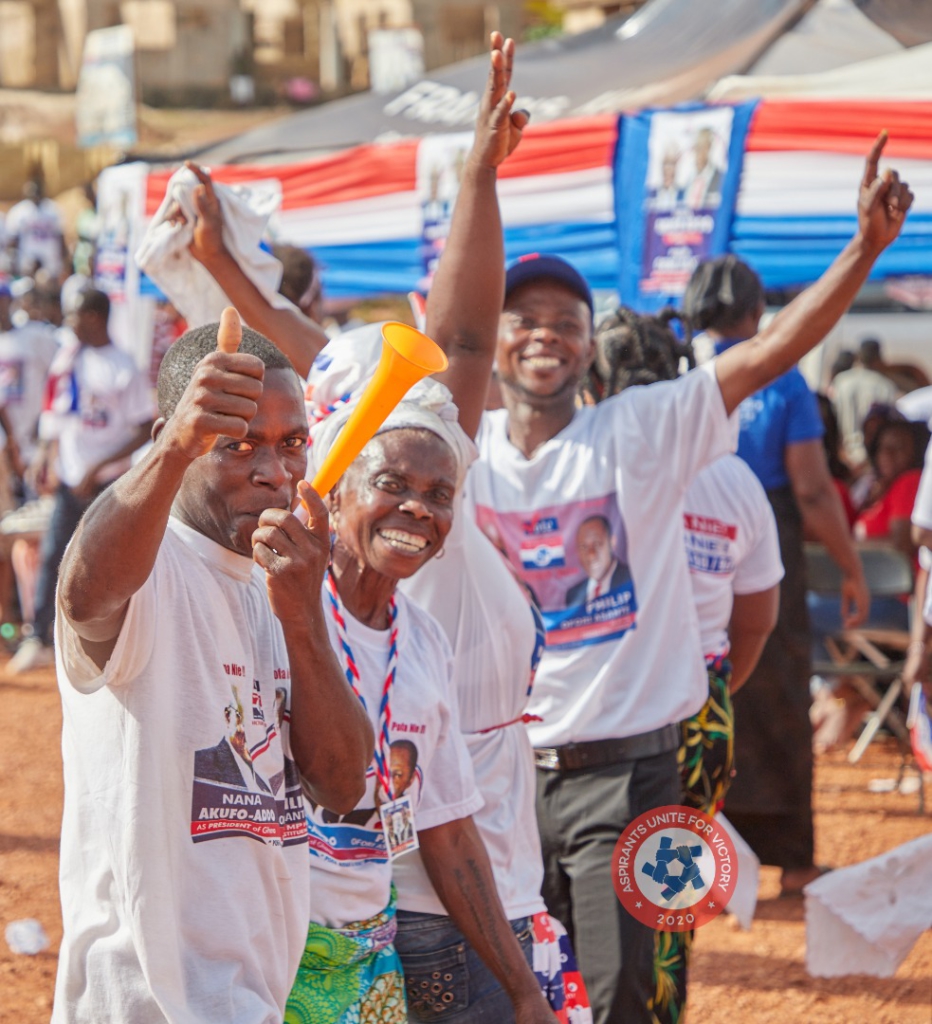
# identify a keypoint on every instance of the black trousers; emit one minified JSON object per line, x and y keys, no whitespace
{"x":581,"y":814}
{"x":770,"y":799}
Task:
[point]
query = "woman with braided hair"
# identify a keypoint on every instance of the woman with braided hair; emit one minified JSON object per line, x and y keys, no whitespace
{"x":635,"y":349}
{"x":770,"y":801}
{"x":735,"y":571}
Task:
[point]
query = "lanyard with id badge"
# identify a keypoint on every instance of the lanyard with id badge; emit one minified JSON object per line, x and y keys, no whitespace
{"x":398,"y":828}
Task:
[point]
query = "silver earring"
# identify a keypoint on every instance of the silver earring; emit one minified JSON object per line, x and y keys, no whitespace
{"x":440,"y":554}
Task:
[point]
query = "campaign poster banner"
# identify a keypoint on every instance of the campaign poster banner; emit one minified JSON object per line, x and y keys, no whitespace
{"x":440,"y":163}
{"x":677,"y":175}
{"x":105,"y":104}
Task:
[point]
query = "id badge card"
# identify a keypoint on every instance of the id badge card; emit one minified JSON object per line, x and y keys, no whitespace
{"x":398,"y":826}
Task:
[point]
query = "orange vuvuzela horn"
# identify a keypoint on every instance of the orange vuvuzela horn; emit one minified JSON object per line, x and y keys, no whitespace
{"x":407,"y":357}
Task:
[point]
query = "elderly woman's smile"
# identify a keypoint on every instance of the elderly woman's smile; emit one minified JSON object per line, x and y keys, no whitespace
{"x":394,"y":506}
{"x":404,"y":541}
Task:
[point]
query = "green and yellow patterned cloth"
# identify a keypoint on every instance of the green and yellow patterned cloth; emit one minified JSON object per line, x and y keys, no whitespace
{"x":706,"y":759}
{"x":707,"y":751}
{"x":350,"y":975}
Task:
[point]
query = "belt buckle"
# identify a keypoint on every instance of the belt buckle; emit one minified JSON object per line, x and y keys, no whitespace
{"x":547,"y":758}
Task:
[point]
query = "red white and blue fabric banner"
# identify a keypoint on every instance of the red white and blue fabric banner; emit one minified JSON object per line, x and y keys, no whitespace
{"x":804,"y":160}
{"x":775,"y":182}
{"x":373,"y":226}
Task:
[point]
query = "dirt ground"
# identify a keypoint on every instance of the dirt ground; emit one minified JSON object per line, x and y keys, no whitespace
{"x":757,"y":976}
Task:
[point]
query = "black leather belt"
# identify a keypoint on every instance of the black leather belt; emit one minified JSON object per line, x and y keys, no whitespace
{"x":599,"y":753}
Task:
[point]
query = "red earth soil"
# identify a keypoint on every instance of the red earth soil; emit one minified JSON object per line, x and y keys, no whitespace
{"x":757,"y":976}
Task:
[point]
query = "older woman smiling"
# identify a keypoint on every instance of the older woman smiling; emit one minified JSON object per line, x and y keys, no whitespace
{"x":390,"y":513}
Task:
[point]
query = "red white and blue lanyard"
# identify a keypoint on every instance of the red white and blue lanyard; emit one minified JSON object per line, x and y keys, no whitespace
{"x":381,"y":753}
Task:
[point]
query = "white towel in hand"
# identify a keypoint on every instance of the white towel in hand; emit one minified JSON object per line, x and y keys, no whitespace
{"x":865,"y":919}
{"x":164,"y":254}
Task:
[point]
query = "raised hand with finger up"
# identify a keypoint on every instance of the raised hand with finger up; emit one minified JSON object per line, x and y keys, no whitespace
{"x":883,"y":201}
{"x":498,"y":125}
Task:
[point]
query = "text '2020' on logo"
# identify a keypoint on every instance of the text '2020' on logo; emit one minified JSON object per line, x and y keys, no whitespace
{"x":675,"y":868}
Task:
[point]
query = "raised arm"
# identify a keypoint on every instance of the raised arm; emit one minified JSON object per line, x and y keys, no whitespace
{"x":465,"y":300}
{"x":294,"y":333}
{"x":115,"y":546}
{"x":883,"y":203}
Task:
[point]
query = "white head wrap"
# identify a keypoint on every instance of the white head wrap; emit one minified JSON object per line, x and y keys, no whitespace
{"x":339,"y":376}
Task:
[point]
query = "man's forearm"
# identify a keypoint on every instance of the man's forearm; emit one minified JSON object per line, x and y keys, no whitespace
{"x":289,"y":329}
{"x":117,"y":541}
{"x":799,"y":327}
{"x":458,"y":867}
{"x":824,"y":518}
{"x":331,"y":738}
{"x":465,"y":299}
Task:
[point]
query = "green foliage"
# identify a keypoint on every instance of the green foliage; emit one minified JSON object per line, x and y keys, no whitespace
{"x":544,"y":20}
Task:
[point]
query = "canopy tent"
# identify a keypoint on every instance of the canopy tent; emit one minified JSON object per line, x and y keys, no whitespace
{"x":907,"y":21}
{"x":832,"y":34}
{"x":906,"y":75}
{"x":670,"y":50}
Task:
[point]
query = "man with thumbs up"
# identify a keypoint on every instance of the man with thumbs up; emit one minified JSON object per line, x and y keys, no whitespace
{"x":189,"y":610}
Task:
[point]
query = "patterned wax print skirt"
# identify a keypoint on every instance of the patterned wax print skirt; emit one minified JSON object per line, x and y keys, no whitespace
{"x":350,"y":975}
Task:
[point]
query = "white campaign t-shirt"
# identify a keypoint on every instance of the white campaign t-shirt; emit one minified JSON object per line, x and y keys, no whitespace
{"x":732,"y":545}
{"x":351,"y":873}
{"x":922,"y":510}
{"x":37,"y":228}
{"x":497,"y":639}
{"x":26,"y":353}
{"x":184,"y":877}
{"x":96,"y":399}
{"x":609,"y":486}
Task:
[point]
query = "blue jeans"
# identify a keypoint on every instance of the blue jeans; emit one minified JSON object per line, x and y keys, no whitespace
{"x":66,"y":514}
{"x":444,"y":976}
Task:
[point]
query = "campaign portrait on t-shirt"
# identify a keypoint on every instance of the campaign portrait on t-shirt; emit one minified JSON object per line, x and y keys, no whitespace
{"x":604,"y":570}
{"x":288,"y":776}
{"x":357,"y":835}
{"x":574,"y":559}
{"x":231,"y":795}
{"x":11,"y":381}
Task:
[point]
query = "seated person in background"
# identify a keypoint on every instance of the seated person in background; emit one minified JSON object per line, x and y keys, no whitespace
{"x":896,"y":455}
{"x":895,"y":448}
{"x":840,"y":473}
